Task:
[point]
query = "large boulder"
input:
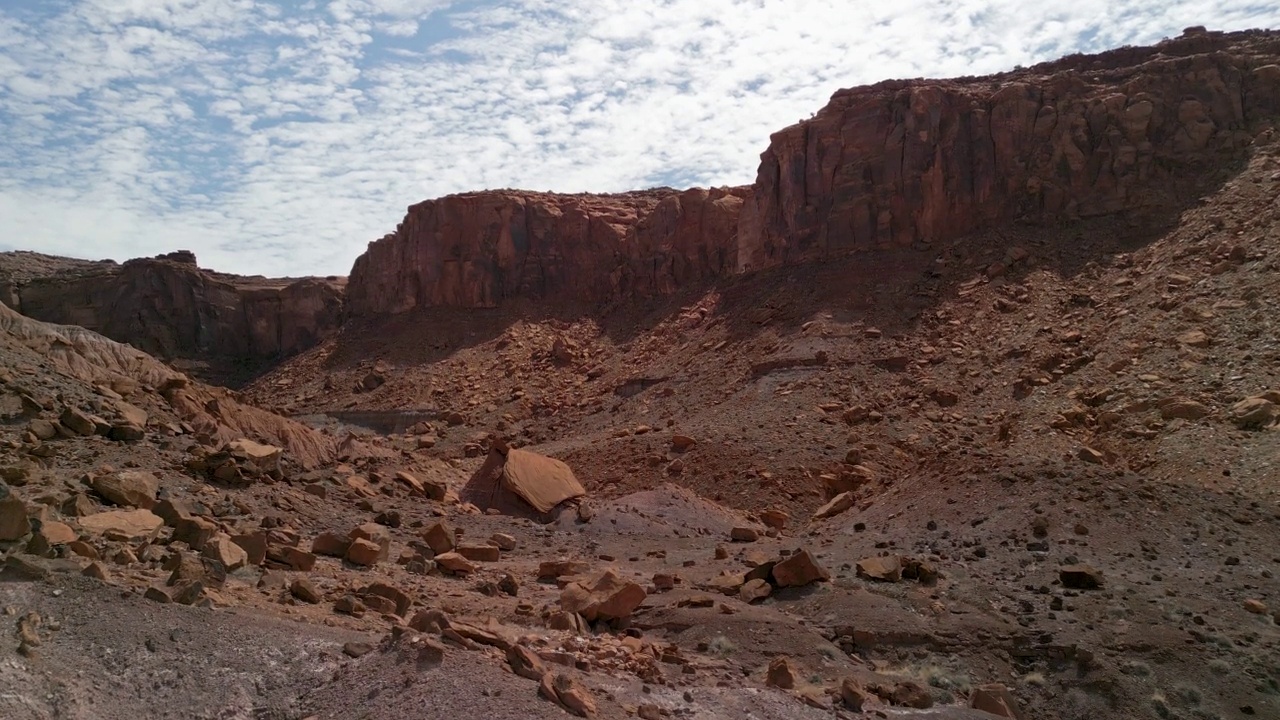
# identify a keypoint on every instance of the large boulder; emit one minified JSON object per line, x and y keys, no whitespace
{"x":123,"y":524}
{"x":14,"y":523}
{"x":800,"y":569}
{"x":1254,"y":413}
{"x":264,"y":458}
{"x":129,"y":488}
{"x":995,"y":699}
{"x":607,"y":597}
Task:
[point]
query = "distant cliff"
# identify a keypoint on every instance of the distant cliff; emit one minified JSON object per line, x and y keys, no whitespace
{"x":478,"y":249}
{"x":169,"y":307}
{"x":923,"y":160}
{"x":889,"y":165}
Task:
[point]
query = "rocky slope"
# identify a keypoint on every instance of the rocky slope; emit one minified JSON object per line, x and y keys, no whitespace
{"x":219,"y":326}
{"x":1004,"y":408}
{"x":926,"y":161}
{"x":479,"y":249}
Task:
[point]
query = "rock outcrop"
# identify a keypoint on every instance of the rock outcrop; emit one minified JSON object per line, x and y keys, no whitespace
{"x":917,"y":161}
{"x":169,"y":307}
{"x":480,"y":249}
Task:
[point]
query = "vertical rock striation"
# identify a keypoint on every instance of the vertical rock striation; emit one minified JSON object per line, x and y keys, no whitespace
{"x":902,"y":162}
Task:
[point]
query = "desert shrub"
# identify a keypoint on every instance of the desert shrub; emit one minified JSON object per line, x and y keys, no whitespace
{"x":721,"y":645}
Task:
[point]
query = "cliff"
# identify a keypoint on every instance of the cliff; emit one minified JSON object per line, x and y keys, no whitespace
{"x":479,"y":249}
{"x":171,"y":308}
{"x":903,"y":162}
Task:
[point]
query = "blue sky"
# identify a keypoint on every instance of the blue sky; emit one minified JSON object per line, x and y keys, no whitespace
{"x":280,"y":138}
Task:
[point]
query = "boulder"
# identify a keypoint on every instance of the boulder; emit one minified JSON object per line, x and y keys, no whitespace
{"x":56,"y":533}
{"x":290,"y":558}
{"x":798,"y":570}
{"x":782,"y":673}
{"x":909,"y":693}
{"x":130,"y":488}
{"x":43,"y":429}
{"x":480,"y":553}
{"x":97,"y":571}
{"x":429,"y":620}
{"x":568,"y":692}
{"x":330,"y":544}
{"x":1183,"y":409}
{"x":254,"y":545}
{"x":754,"y":590}
{"x":131,"y":414}
{"x":171,"y":510}
{"x":78,"y":505}
{"x":265,"y":458}
{"x":883,"y":569}
{"x":127,"y":432}
{"x":855,"y":697}
{"x":122,"y":524}
{"x":727,"y":583}
{"x":194,"y":531}
{"x":78,"y":422}
{"x":400,"y":600}
{"x":607,"y":597}
{"x":377,"y":534}
{"x":225,"y":551}
{"x":1254,"y":413}
{"x":838,"y":504}
{"x":554,"y":569}
{"x":1255,"y":606}
{"x":410,"y":480}
{"x":349,"y":605}
{"x":364,"y":552}
{"x":441,"y":538}
{"x":454,"y":563}
{"x":1080,"y":577}
{"x":744,"y":534}
{"x":995,"y":699}
{"x":774,"y":518}
{"x":14,"y":523}
{"x":525,"y":662}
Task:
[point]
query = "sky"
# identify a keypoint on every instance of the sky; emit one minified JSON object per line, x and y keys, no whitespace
{"x":280,"y":138}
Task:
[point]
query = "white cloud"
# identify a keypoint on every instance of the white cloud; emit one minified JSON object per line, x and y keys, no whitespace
{"x":280,"y":141}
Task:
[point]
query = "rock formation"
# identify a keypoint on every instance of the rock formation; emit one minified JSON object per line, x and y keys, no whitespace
{"x":902,"y":162}
{"x":169,"y":307}
{"x":479,"y":249}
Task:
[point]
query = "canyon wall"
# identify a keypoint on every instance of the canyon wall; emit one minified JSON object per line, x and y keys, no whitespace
{"x":895,"y":164}
{"x":169,"y":307}
{"x":479,"y":249}
{"x":903,"y":162}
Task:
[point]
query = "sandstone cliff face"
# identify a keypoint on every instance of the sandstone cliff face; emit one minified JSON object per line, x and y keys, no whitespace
{"x":171,"y":308}
{"x":479,"y":249}
{"x":900,"y":162}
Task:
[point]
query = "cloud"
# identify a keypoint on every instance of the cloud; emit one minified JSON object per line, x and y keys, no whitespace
{"x":280,"y":140}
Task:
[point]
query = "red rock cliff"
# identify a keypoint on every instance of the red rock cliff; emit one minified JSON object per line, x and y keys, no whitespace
{"x":905,"y":161}
{"x":478,"y":249}
{"x":171,"y":308}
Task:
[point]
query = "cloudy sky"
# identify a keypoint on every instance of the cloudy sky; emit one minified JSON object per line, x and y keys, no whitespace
{"x":281,"y":137}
